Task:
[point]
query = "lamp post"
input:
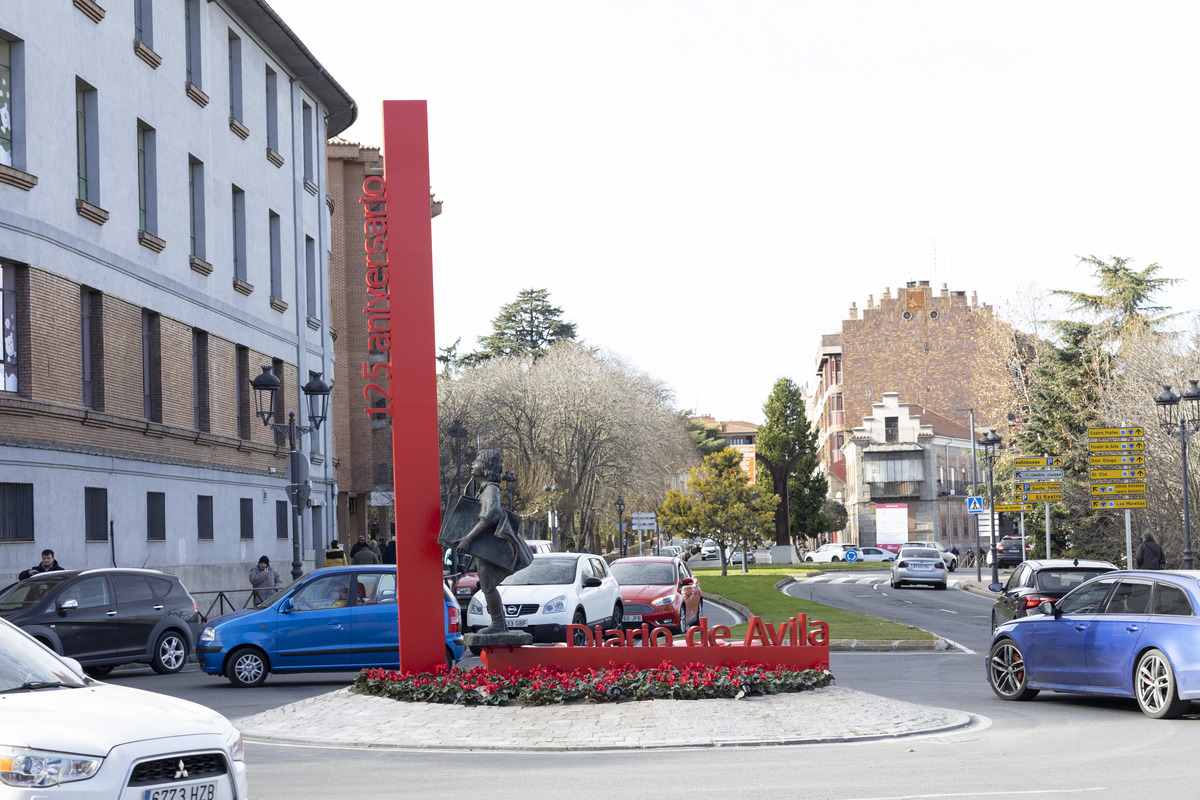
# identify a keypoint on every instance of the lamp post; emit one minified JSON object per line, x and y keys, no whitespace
{"x":552,"y":515}
{"x":458,"y":432}
{"x":620,"y":504}
{"x":1181,"y":421}
{"x":990,"y":443}
{"x":509,"y":479}
{"x":266,"y":388}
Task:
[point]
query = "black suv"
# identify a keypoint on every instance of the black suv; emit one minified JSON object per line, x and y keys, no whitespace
{"x":106,"y":617}
{"x":1008,"y":551}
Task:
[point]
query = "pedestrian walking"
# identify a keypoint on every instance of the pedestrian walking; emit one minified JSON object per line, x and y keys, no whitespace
{"x":366,"y":554}
{"x":1150,"y":554}
{"x":264,"y":580}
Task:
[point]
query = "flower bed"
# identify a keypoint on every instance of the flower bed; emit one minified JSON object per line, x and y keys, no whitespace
{"x":547,"y":685}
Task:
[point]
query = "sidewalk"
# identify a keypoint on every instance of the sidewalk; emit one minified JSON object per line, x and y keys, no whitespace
{"x":829,"y":714}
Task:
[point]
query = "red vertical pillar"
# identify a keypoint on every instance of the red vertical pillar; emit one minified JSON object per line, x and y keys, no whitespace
{"x":413,"y":385}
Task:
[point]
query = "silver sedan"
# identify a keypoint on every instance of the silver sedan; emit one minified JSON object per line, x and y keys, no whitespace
{"x":922,"y":565}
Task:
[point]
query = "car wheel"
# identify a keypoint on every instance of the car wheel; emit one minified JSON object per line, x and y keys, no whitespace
{"x":579,"y":638}
{"x":836,"y":559}
{"x":953,"y":564}
{"x":941,"y":585}
{"x":449,"y":658}
{"x":1155,"y":687}
{"x":476,"y":650}
{"x":170,"y":653}
{"x":1006,"y":672}
{"x":699,"y":612}
{"x":808,"y":559}
{"x":247,"y":667}
{"x":617,"y":613}
{"x":98,"y":672}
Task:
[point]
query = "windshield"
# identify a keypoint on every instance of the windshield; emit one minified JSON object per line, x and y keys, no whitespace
{"x":544,"y":572}
{"x":26,"y":664}
{"x":26,"y":593}
{"x":280,"y":592}
{"x":644,"y":574}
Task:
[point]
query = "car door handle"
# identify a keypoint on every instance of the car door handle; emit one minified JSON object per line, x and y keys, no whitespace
{"x":1132,"y":628}
{"x":110,"y":613}
{"x":158,"y":607}
{"x":1081,"y":627}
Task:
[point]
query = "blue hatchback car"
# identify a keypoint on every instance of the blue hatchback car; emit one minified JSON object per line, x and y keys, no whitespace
{"x":334,"y":619}
{"x":1124,"y":634}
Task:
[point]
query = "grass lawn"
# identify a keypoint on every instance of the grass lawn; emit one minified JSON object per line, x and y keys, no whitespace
{"x":756,"y":591}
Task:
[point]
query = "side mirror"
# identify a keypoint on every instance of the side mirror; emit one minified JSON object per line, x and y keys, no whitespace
{"x":592,"y":581}
{"x":1048,"y":608}
{"x":67,"y":605}
{"x":286,"y":606}
{"x":995,"y":587}
{"x":688,"y":582}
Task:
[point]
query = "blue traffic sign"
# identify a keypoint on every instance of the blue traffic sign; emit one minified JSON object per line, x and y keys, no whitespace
{"x":974,"y":505}
{"x":851,"y":555}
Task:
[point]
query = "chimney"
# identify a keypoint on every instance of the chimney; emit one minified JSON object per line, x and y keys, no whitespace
{"x":870,"y":301}
{"x":974,"y":299}
{"x":945,"y":291}
{"x":853,"y":311}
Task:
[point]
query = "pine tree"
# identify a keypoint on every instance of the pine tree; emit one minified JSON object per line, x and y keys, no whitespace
{"x":787,"y":447}
{"x":526,"y":326}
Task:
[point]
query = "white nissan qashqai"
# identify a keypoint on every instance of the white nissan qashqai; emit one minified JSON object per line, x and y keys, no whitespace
{"x":556,"y":590}
{"x":68,"y":736}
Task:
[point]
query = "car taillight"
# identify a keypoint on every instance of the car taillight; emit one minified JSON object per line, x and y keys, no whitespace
{"x":940,"y":565}
{"x":455,"y":618}
{"x":1035,"y":600}
{"x":903,"y":565}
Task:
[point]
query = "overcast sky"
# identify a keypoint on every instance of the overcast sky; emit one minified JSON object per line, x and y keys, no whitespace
{"x":706,"y":187}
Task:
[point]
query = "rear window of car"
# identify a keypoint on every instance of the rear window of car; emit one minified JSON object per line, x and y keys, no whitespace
{"x":1064,"y":580}
{"x":913,"y":552}
{"x":1171,"y":601}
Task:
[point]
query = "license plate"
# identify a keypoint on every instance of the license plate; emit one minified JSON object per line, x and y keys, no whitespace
{"x":631,"y":618}
{"x":516,"y":623}
{"x":192,"y":791}
{"x":922,"y":567}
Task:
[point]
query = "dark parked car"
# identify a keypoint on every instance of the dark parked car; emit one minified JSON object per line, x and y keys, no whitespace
{"x":106,"y":617}
{"x":1123,"y":634}
{"x":1008,"y":552}
{"x":336,"y":618}
{"x":1034,"y":582}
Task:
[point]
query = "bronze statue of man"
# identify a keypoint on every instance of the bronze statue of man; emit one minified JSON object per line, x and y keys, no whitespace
{"x":492,"y":539}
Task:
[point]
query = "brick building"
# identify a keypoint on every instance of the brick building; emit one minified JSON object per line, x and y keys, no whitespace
{"x":188,"y":141}
{"x":738,"y":435}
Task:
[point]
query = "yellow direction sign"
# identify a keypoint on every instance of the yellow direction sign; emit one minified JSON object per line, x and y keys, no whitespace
{"x":1113,"y":474}
{"x":1112,"y":433}
{"x":1097,"y":461}
{"x":1118,"y":488}
{"x":1043,"y":461}
{"x":1040,"y":497}
{"x":1042,"y":486}
{"x":1119,"y":503}
{"x":1013,"y":508}
{"x":1104,"y":446}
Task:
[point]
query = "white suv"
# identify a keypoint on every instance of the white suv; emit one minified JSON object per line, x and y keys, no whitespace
{"x":556,"y":590}
{"x":828,"y":553}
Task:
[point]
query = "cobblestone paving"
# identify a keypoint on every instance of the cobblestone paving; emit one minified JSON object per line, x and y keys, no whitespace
{"x":829,"y":714}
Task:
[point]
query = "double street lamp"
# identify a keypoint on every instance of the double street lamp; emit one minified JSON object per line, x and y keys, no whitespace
{"x":1181,"y":420}
{"x":620,"y":504}
{"x":266,"y":390}
{"x":990,"y":442}
{"x":552,"y":514}
{"x":509,"y":479}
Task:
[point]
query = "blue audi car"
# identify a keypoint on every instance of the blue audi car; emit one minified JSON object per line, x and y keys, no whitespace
{"x":334,"y":619}
{"x":1123,"y":634}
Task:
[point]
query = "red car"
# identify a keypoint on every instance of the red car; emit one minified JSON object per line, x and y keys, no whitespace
{"x":658,"y":591}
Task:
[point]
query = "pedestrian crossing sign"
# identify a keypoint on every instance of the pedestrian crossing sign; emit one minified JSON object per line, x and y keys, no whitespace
{"x":974,"y":505}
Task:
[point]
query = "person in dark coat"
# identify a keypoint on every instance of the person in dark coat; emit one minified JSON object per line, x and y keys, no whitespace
{"x":389,"y":552}
{"x":48,"y":564}
{"x":1150,"y":554}
{"x":359,"y":545}
{"x":264,"y":580}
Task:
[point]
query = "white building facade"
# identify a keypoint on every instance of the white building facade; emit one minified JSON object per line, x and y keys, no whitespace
{"x":164,"y":232}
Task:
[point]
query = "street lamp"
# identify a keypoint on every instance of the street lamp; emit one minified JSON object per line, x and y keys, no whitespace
{"x":990,"y":443}
{"x":552,"y":515}
{"x":266,"y":389}
{"x":620,"y":504}
{"x":509,"y":479}
{"x":457,"y":431}
{"x":1181,"y":421}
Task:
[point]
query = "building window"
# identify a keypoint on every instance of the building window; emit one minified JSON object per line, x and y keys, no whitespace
{"x":281,"y":437}
{"x":191,"y":26}
{"x":307,"y":120}
{"x":200,"y":390}
{"x":281,"y":519}
{"x":147,"y":179}
{"x":272,"y":110}
{"x":151,"y":366}
{"x":9,"y":97}
{"x":95,"y":514}
{"x":891,"y":429}
{"x":239,"y":233}
{"x":235,"y":76}
{"x":16,"y":512}
{"x":241,"y":377}
{"x":247,"y":518}
{"x":156,"y":517}
{"x":87,"y":143}
{"x":204,"y":517}
{"x":196,"y":205}
{"x":91,"y":335}
{"x":310,"y":277}
{"x":143,"y":22}
{"x":276,"y":255}
{"x":8,"y":328}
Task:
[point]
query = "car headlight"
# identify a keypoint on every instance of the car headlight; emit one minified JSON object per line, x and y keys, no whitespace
{"x":463,"y":591}
{"x":207,"y":635}
{"x":556,"y":606}
{"x":475,"y":606}
{"x":21,"y":767}
{"x":235,"y":748}
{"x":664,"y":601}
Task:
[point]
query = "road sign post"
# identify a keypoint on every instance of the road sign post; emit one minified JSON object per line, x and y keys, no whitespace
{"x":1122,"y":481}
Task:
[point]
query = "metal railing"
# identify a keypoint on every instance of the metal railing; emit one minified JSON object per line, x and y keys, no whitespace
{"x":222,"y":601}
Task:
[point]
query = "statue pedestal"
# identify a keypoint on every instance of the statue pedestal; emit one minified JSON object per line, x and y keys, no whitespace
{"x":784,"y":554}
{"x":510,"y":639}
